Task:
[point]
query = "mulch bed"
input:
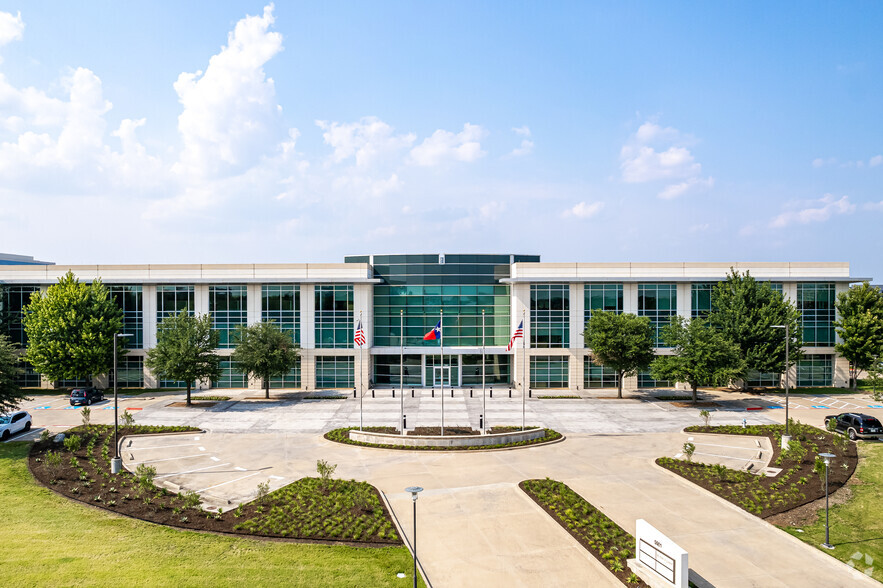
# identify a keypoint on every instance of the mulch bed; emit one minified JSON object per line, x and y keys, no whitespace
{"x":795,"y":486}
{"x":84,"y":475}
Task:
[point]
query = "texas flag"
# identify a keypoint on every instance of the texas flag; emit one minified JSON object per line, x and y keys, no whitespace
{"x":434,"y":334}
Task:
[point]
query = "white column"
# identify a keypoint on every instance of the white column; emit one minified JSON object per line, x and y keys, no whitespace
{"x":630,"y":297}
{"x":685,"y":300}
{"x":254,"y":303}
{"x":200,"y":299}
{"x":577,"y":316}
{"x":520,"y":305}
{"x":308,"y":336}
{"x":363,"y":300}
{"x":148,"y":306}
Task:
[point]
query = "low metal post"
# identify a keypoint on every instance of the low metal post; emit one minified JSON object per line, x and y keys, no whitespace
{"x":432,"y":392}
{"x":393,"y":392}
{"x":470,"y":393}
{"x":372,"y":392}
{"x":529,"y":393}
{"x":354,"y":392}
{"x":481,"y":422}
{"x":404,"y":423}
{"x":412,"y":393}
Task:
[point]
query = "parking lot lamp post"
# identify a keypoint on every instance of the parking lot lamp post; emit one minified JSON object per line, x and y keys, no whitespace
{"x":827,"y":457}
{"x":786,"y":438}
{"x":116,"y":464}
{"x":414,"y":490}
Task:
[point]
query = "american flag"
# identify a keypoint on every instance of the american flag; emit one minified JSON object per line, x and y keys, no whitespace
{"x":519,"y":333}
{"x":359,"y":339}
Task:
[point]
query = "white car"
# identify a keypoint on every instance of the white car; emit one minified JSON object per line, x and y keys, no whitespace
{"x":14,"y":422}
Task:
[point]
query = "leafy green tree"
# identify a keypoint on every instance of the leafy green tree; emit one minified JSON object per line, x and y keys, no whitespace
{"x":185,"y":350}
{"x":10,"y":394}
{"x":745,"y":311}
{"x":702,"y":355}
{"x":860,"y":327}
{"x":70,"y":329}
{"x":621,"y":342}
{"x":264,"y":351}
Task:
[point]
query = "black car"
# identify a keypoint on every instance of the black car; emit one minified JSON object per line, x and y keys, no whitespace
{"x":856,"y":425}
{"x":86,"y":396}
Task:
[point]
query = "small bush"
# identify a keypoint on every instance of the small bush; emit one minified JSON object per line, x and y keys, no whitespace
{"x":127,"y":419}
{"x":262,"y":491}
{"x":706,"y":416}
{"x":73,"y":443}
{"x":689,"y":448}
{"x":87,"y":416}
{"x":45,"y":435}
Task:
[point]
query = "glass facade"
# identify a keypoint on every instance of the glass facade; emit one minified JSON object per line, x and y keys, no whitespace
{"x":173,"y":299}
{"x":335,"y":372}
{"x":28,"y":377}
{"x":815,"y":301}
{"x":424,"y":285}
{"x":658,"y":302}
{"x":335,"y":326}
{"x":129,"y":298}
{"x":645,"y":380}
{"x":598,"y":376}
{"x":815,"y":370}
{"x":172,"y":384}
{"x":131,"y":372}
{"x":289,"y":380}
{"x":549,"y":372}
{"x":755,"y":379}
{"x":549,"y":315}
{"x":497,"y":370}
{"x":74,"y":383}
{"x":435,"y":370}
{"x":602,"y":297}
{"x":12,"y":300}
{"x":230,"y":377}
{"x":228,"y":307}
{"x":281,"y":303}
{"x":387,"y":368}
{"x":700,"y":298}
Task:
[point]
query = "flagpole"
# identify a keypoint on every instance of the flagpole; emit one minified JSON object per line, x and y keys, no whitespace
{"x":402,"y":367}
{"x":361,"y":389}
{"x":523,"y":368}
{"x":483,"y":396}
{"x":441,"y":338}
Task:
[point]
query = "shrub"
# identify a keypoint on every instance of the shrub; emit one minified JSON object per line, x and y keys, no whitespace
{"x":45,"y":435}
{"x":144,"y":475}
{"x":53,"y":462}
{"x":191,"y":499}
{"x":73,"y":443}
{"x":87,"y":416}
{"x":127,"y":419}
{"x":325,"y":470}
{"x":689,"y":448}
{"x":262,"y":491}
{"x":706,"y":416}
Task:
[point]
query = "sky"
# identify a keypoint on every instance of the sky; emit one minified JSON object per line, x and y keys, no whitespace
{"x":244,"y":132}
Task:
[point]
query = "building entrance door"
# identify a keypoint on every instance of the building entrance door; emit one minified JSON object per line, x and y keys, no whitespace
{"x":440,"y":372}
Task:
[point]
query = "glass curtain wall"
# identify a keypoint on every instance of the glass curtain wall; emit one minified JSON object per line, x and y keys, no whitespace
{"x":549,"y":315}
{"x":645,"y":380}
{"x":229,"y":309}
{"x":598,"y":376}
{"x":700,"y":299}
{"x":281,"y":303}
{"x":550,"y":371}
{"x":387,"y":368}
{"x":335,"y":324}
{"x":131,"y":372}
{"x":497,"y":370}
{"x":129,"y":298}
{"x":289,"y":380}
{"x":815,"y":370}
{"x":815,"y":301}
{"x":658,"y":302}
{"x":12,"y":300}
{"x":335,"y":372}
{"x":602,"y":297}
{"x":230,"y":377}
{"x":172,"y":299}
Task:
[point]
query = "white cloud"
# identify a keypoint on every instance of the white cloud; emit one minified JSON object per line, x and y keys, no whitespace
{"x":526,"y":148}
{"x":230,"y":114}
{"x":858,"y":163}
{"x":523,"y":131}
{"x":688,"y":185}
{"x":875,"y":161}
{"x":584,"y":210}
{"x":814,"y":211}
{"x":445,"y":146}
{"x":875,"y":206}
{"x":11,"y":27}
{"x":655,"y":153}
{"x":369,"y":140}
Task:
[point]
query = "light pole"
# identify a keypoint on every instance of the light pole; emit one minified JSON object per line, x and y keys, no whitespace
{"x":414,"y":490}
{"x":116,"y":464}
{"x":786,"y":438}
{"x":827,"y":457}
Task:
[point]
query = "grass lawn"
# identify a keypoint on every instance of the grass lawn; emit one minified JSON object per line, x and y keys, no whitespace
{"x":857,"y":525}
{"x":49,"y":540}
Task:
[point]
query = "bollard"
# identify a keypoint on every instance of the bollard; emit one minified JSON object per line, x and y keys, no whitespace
{"x":510,"y":392}
{"x":470,"y":393}
{"x":452,"y":392}
{"x":354,"y":392}
{"x":433,"y":392}
{"x":529,"y":393}
{"x":372,"y":392}
{"x":393,"y":392}
{"x":404,"y":422}
{"x":481,"y":422}
{"x":412,"y":393}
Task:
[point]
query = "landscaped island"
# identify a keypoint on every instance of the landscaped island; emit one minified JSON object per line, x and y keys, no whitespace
{"x":496,"y":438}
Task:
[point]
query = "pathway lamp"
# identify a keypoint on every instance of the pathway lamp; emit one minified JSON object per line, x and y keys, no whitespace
{"x":827,"y":457}
{"x":786,"y":438}
{"x":414,"y":490}
{"x":116,"y":464}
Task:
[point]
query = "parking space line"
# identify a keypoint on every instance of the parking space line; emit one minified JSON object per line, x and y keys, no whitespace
{"x":727,"y":446}
{"x":726,"y":456}
{"x":229,"y":482}
{"x":217,"y":465}
{"x":171,"y":458}
{"x":145,"y":448}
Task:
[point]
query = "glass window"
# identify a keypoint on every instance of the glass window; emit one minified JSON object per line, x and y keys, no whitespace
{"x":815,"y":370}
{"x":230,"y":377}
{"x":281,"y":303}
{"x":602,"y":297}
{"x":645,"y":380}
{"x":815,"y":301}
{"x":131,"y":371}
{"x":549,"y":315}
{"x":755,"y":379}
{"x":549,"y":372}
{"x":289,"y":380}
{"x":229,"y":309}
{"x":172,"y":299}
{"x":497,"y":370}
{"x":28,"y":377}
{"x":129,"y":298}
{"x":388,"y":367}
{"x":598,"y":376}
{"x":658,"y":302}
{"x":335,"y":325}
{"x":700,"y":299}
{"x":451,"y":373}
{"x":12,"y":300}
{"x":335,"y":372}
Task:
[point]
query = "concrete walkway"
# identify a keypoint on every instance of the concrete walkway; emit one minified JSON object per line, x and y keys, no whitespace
{"x":476,"y":528}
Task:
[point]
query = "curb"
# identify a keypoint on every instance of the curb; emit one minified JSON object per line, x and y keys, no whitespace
{"x":816,"y":553}
{"x":399,"y":449}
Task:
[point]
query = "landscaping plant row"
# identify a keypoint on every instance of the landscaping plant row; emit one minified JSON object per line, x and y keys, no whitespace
{"x":607,"y":541}
{"x":342,"y":436}
{"x":802,"y":479}
{"x":318,"y":509}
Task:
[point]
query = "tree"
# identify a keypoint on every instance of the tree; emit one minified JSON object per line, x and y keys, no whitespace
{"x":621,"y":342}
{"x":745,"y":311}
{"x":70,"y":329}
{"x":702,"y":355}
{"x":264,"y":351}
{"x":185,"y":350}
{"x":860,"y":328}
{"x":10,"y":393}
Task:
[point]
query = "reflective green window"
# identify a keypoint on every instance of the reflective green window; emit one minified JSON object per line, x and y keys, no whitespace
{"x":815,"y":370}
{"x":388,"y":367}
{"x":497,"y":370}
{"x":549,"y":315}
{"x":229,"y":309}
{"x":281,"y":303}
{"x":756,"y":379}
{"x":172,"y":299}
{"x":645,"y":380}
{"x":230,"y":377}
{"x":549,"y":372}
{"x":815,"y":301}
{"x":658,"y":302}
{"x":334,"y":316}
{"x":436,"y":371}
{"x":598,"y":376}
{"x":289,"y":380}
{"x":602,"y":297}
{"x":700,"y":299}
{"x":28,"y":377}
{"x":131,"y":372}
{"x":74,"y":382}
{"x":129,"y":298}
{"x":335,"y":372}
{"x":12,"y":300}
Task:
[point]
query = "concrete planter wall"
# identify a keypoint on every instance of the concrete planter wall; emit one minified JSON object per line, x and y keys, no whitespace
{"x":447,"y":440}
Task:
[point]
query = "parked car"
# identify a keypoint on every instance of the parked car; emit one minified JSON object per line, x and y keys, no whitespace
{"x":86,"y":396}
{"x":856,"y":425}
{"x":14,"y":422}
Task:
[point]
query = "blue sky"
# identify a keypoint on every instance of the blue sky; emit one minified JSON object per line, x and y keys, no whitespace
{"x":246,"y":132}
